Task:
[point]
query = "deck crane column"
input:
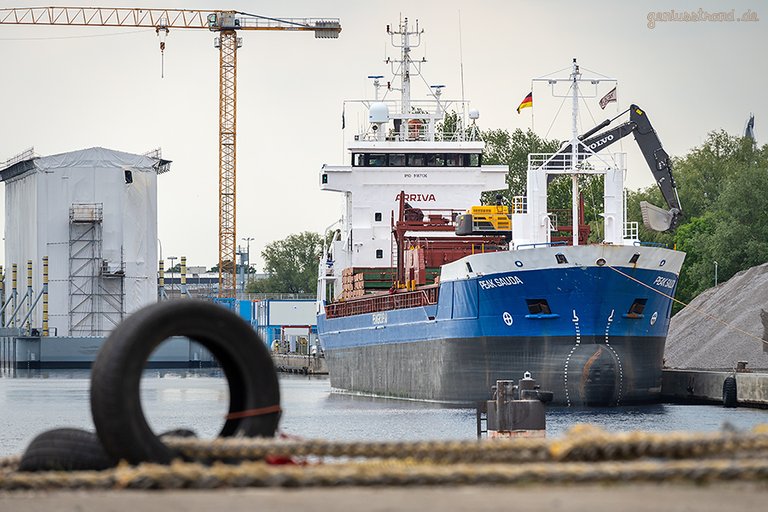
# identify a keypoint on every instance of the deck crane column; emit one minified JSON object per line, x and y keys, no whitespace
{"x":226,"y":23}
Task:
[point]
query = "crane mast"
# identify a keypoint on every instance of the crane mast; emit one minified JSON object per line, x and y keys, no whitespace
{"x":226,"y":23}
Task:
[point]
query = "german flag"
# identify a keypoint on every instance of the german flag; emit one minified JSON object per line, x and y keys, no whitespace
{"x":527,"y":102}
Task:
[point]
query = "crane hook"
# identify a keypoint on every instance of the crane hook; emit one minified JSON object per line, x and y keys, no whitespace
{"x":162,"y":32}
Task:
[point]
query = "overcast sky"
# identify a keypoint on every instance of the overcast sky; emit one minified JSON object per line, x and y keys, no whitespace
{"x":68,"y":88}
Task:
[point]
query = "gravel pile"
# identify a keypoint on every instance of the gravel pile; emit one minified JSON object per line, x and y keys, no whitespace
{"x":697,"y":340}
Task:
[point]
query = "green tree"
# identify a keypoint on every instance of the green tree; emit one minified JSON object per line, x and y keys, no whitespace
{"x":512,"y":150}
{"x":702,"y":174}
{"x":723,"y":189}
{"x":503,"y":148}
{"x":291,"y":264}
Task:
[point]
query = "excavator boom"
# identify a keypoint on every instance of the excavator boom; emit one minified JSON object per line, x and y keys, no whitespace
{"x":654,"y":154}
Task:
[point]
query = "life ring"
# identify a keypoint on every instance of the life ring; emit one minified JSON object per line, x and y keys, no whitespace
{"x":254,"y":394}
{"x":414,"y":129}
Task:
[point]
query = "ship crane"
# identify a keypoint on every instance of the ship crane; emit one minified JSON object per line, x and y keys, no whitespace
{"x":226,"y":23}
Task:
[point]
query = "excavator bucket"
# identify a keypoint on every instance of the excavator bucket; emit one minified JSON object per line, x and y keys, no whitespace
{"x":655,"y":218}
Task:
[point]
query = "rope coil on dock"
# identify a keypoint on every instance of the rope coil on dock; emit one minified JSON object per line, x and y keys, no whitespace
{"x":181,"y":475}
{"x":583,"y":444}
{"x":584,"y":455}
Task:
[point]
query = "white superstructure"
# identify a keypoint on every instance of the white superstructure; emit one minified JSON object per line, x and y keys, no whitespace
{"x":429,"y":150}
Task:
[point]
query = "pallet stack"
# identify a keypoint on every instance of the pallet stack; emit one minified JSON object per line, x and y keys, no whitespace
{"x":348,"y":290}
{"x":358,"y":281}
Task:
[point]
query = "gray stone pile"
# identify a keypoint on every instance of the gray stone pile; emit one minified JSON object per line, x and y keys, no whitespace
{"x":699,"y":339}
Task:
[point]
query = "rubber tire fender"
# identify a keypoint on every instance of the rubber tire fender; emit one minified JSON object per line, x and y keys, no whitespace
{"x":729,"y":392}
{"x":117,"y":370}
{"x":65,"y":449}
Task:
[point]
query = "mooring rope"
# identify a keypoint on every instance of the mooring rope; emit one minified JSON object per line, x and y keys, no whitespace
{"x":585,"y":454}
{"x":684,"y":304}
{"x":581,"y":444}
{"x":190,"y":475}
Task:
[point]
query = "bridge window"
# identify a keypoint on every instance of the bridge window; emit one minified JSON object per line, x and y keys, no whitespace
{"x":453,"y":160}
{"x":416,"y":160}
{"x":376,"y":160}
{"x":377,"y":216}
{"x":435,"y":160}
{"x":379,"y":254}
{"x":472,"y":160}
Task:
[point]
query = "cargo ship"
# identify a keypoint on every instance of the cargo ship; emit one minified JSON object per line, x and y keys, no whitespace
{"x":426,"y":294}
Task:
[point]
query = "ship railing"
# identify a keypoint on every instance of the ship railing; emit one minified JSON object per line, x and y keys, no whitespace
{"x":519,"y":204}
{"x":650,"y":244}
{"x":560,"y":163}
{"x":540,"y":244}
{"x":552,"y":222}
{"x":382,"y":302}
{"x":631,"y":230}
{"x":421,"y":133}
{"x":427,"y":120}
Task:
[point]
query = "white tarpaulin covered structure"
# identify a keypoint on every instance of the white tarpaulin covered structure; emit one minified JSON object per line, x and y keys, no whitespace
{"x":94,"y":214}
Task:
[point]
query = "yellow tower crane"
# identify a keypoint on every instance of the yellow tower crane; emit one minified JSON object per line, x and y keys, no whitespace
{"x":226,"y":23}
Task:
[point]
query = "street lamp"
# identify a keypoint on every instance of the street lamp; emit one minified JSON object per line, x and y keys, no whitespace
{"x":172,"y":258}
{"x":715,"y":273}
{"x":247,"y":266}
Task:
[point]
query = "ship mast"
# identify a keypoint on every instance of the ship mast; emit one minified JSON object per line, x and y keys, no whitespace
{"x":408,"y":39}
{"x":575,"y":75}
{"x":575,"y":79}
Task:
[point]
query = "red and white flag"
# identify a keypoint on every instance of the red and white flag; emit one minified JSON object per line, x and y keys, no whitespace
{"x":608,"y":98}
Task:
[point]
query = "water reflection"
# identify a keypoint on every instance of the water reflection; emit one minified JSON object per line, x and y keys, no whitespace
{"x":38,"y":400}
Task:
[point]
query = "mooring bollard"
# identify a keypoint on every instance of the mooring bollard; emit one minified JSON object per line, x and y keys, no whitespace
{"x":517,"y":409}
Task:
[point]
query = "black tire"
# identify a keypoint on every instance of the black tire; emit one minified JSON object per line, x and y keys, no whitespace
{"x":65,"y":449}
{"x":116,"y":375}
{"x":729,"y":392}
{"x":178,"y":432}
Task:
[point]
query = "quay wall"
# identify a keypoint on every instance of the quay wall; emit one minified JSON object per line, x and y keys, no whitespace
{"x":80,"y":352}
{"x":707,"y":386}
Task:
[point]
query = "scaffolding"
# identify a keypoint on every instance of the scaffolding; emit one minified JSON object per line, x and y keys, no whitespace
{"x":96,"y":285}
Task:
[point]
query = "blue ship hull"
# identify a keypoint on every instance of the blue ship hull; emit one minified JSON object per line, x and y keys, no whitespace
{"x":589,"y":346}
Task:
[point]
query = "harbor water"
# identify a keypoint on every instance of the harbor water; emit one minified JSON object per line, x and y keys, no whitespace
{"x":34,"y":401}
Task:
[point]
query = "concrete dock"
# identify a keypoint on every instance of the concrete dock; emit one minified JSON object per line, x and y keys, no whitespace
{"x":550,"y":497}
{"x":706,"y":386}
